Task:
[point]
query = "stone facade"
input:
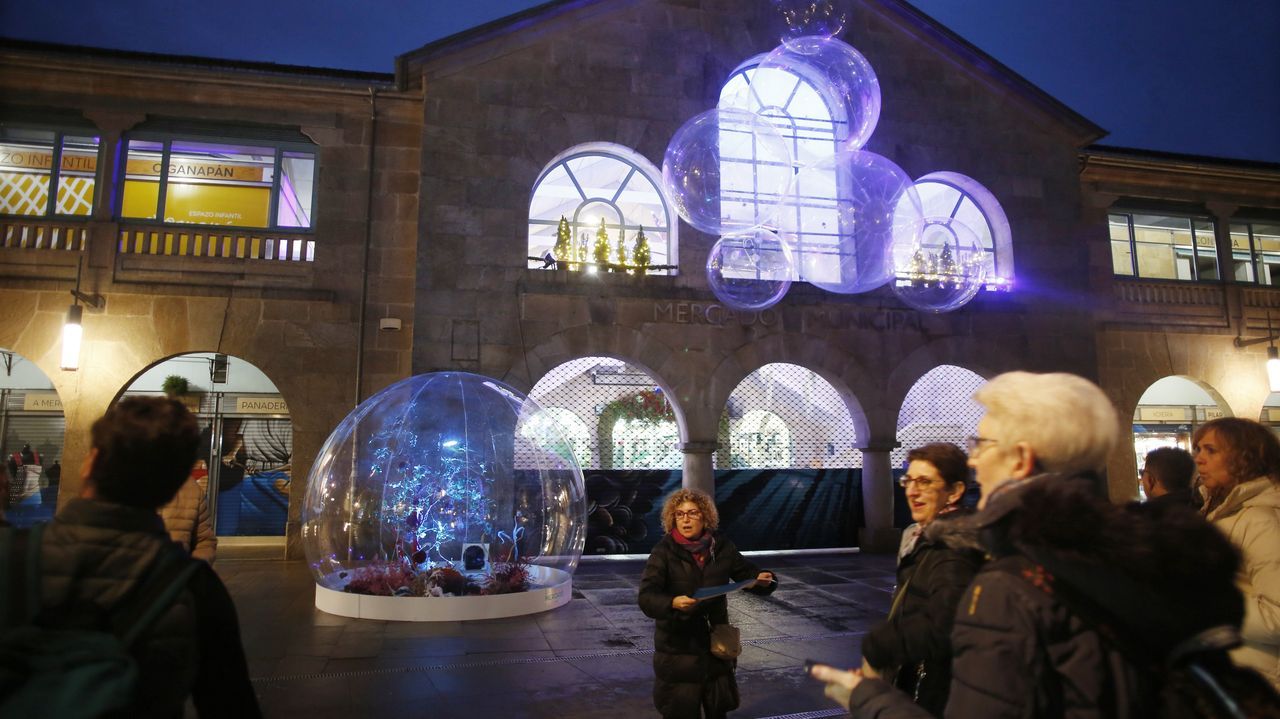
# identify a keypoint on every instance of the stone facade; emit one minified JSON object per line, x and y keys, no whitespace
{"x":439,"y":224}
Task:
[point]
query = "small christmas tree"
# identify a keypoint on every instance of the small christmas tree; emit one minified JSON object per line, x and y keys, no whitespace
{"x":564,"y":244}
{"x":601,"y":250}
{"x":621,"y":249}
{"x":640,"y":254}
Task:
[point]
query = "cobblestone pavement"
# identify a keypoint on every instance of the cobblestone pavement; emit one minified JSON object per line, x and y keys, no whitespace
{"x":589,"y":658}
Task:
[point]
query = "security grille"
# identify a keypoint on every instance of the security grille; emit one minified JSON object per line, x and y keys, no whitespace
{"x":939,"y":408}
{"x":612,"y":415}
{"x":783,"y":416}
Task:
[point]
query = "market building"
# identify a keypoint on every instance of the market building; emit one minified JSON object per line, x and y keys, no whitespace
{"x":289,"y":241}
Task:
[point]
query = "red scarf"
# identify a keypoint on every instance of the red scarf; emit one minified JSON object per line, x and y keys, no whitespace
{"x":700,"y":548}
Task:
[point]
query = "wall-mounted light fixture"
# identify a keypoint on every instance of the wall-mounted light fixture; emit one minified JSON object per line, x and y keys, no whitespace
{"x":1273,"y":354}
{"x":72,"y":329}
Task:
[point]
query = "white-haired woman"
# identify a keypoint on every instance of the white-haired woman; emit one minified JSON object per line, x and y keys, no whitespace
{"x":1068,"y":572}
{"x":689,"y":681}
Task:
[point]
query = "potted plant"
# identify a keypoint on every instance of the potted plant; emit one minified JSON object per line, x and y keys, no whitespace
{"x":175,"y":386}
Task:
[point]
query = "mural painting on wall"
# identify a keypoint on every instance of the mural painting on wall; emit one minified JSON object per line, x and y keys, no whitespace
{"x":759,"y":508}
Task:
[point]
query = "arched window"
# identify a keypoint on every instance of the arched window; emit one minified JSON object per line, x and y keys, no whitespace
{"x":760,"y":439}
{"x":808,"y":121}
{"x":574,"y":431}
{"x":595,"y":190}
{"x":646,"y":445}
{"x":952,"y":195}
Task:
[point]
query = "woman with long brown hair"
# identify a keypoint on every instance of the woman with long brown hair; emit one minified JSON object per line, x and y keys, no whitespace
{"x":1239,"y":465}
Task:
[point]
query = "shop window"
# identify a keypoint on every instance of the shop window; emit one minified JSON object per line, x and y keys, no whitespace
{"x":577,"y":438}
{"x":1167,"y":247}
{"x":760,"y":439}
{"x":200,"y":182}
{"x":597,"y":208}
{"x":1255,"y":252}
{"x":47,"y":173}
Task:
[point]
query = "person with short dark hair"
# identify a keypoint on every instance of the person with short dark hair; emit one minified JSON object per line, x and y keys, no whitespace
{"x":936,"y":562}
{"x":1166,"y":477}
{"x":105,"y":543}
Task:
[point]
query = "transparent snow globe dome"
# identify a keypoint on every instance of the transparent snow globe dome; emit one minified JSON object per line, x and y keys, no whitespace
{"x":443,"y":485}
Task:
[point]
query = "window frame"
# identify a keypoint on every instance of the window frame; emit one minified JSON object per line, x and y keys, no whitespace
{"x":60,"y":130}
{"x":280,"y":148}
{"x":638,"y":164}
{"x":1192,"y":219}
{"x":1254,"y":251}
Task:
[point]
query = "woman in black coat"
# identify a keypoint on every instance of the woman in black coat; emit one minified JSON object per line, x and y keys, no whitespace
{"x":936,"y":562}
{"x":688,"y":679}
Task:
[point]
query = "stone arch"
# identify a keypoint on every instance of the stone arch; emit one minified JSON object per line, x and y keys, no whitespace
{"x":34,"y":436}
{"x":247,"y":448}
{"x":613,"y":341}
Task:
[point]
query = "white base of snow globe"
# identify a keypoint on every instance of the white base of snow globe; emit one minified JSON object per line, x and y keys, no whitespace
{"x":555,"y":589}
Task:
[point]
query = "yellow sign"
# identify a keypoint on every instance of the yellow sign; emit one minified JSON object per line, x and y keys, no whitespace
{"x":261,"y":405}
{"x":182,"y":168}
{"x":234,"y":205}
{"x":1163,"y":414}
{"x":26,"y":158}
{"x":41,"y":402}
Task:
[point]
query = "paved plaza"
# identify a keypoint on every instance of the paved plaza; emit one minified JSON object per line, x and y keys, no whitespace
{"x":589,"y":658}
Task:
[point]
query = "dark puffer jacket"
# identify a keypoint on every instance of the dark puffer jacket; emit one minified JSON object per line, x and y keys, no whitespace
{"x":94,"y":554}
{"x":917,"y":637}
{"x":682,"y":660}
{"x":1020,"y":651}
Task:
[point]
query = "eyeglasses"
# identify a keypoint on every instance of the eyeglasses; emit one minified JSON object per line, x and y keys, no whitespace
{"x":922,"y":483}
{"x":974,"y":443}
{"x":691,"y":514}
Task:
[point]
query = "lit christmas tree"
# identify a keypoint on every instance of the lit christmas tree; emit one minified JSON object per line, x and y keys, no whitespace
{"x":640,"y":255}
{"x":947,"y":267}
{"x":601,"y":250}
{"x":564,"y":244}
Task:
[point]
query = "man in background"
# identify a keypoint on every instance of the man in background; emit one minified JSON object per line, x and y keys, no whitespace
{"x":1166,"y":478}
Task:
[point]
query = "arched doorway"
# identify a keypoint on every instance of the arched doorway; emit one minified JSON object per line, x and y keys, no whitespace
{"x":788,"y":452}
{"x":938,"y":408}
{"x":32,"y":428}
{"x":246,"y":438}
{"x":621,"y":426}
{"x":1168,"y":413}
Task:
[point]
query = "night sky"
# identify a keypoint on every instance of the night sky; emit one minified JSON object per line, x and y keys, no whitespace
{"x":1200,"y":77}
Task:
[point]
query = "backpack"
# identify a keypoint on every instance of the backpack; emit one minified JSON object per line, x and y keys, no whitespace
{"x":1196,"y":679}
{"x":64,"y":664}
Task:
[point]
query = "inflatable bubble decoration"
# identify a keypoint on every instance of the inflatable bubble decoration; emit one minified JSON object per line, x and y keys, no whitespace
{"x":838,"y":73}
{"x":727,"y":170}
{"x":446,"y":496}
{"x":940,"y":267}
{"x":750,"y":270}
{"x":794,"y":19}
{"x":845,"y":212}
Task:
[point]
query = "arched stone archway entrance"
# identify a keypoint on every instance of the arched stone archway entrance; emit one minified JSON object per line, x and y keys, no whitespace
{"x":32,"y":429}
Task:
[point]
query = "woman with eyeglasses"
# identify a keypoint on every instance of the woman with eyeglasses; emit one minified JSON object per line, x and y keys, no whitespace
{"x":689,"y":681}
{"x":1239,"y":465}
{"x":937,"y":560}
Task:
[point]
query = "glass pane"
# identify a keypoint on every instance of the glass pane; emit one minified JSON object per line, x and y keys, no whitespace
{"x":1121,"y":258}
{"x":76,"y":175}
{"x":297,"y":183}
{"x":1206,"y":250}
{"x":217,"y":184}
{"x":26,"y":157}
{"x":1118,"y":225}
{"x":1156,"y":260}
{"x":142,"y":179}
{"x":1241,"y":254}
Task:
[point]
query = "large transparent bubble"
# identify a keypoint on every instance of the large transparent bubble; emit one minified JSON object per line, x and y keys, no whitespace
{"x":844,"y":214}
{"x":444,"y":484}
{"x":816,"y":78}
{"x":794,"y":19}
{"x":750,"y":270}
{"x":940,"y":267}
{"x":727,"y":170}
